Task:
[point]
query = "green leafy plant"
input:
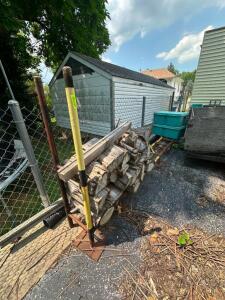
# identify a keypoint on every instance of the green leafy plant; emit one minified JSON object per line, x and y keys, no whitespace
{"x":184,"y":239}
{"x":37,"y":32}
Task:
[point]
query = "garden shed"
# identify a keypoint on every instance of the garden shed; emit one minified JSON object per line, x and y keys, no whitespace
{"x":108,"y":94}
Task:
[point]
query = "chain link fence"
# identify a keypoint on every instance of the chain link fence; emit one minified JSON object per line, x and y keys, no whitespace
{"x":19,"y":196}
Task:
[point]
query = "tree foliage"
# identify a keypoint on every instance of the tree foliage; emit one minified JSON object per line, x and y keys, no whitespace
{"x":172,"y":69}
{"x":188,"y":81}
{"x":35,"y":31}
{"x":188,"y":76}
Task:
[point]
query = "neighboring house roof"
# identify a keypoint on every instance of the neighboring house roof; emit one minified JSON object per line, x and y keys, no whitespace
{"x":159,"y":73}
{"x":115,"y":70}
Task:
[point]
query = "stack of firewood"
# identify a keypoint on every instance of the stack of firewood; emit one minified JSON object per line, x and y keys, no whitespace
{"x":120,"y":167}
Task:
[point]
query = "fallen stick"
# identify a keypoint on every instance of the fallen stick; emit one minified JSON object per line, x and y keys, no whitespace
{"x":134,"y":281}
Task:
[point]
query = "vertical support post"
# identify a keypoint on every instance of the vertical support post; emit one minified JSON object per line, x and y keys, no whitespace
{"x":75,"y":126}
{"x":51,"y":142}
{"x":171,"y":102}
{"x":180,"y":101}
{"x":143,"y":112}
{"x":112,"y":105}
{"x":22,"y":130}
{"x":186,"y":95}
{"x":6,"y":79}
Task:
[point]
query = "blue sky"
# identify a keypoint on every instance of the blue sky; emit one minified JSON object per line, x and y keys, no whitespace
{"x":153,"y":33}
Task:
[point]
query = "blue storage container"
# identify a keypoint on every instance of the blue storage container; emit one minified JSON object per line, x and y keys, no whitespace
{"x":196,"y":105}
{"x":170,"y":118}
{"x":174,"y":133}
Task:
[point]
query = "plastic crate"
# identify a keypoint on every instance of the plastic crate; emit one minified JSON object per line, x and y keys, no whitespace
{"x":170,"y":118}
{"x":174,"y":133}
{"x":196,"y":105}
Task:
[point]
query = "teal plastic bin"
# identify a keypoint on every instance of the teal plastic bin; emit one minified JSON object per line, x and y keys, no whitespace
{"x":170,"y":118}
{"x":196,"y":105}
{"x":174,"y":133}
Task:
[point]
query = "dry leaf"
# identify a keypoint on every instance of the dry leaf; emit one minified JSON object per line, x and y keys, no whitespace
{"x":153,"y":237}
{"x":174,"y":231}
{"x":151,"y":298}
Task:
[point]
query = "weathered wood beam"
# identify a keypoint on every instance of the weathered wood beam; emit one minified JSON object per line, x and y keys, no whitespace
{"x":67,"y":171}
{"x":19,"y":230}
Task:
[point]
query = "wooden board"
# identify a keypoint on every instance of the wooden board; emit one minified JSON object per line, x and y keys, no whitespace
{"x":67,"y":171}
{"x":19,"y":230}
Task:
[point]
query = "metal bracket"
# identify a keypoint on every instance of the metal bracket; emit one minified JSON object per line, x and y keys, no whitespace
{"x":82,"y":241}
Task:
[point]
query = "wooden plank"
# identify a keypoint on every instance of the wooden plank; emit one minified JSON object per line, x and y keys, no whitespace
{"x":67,"y":171}
{"x":90,"y":143}
{"x":85,"y":147}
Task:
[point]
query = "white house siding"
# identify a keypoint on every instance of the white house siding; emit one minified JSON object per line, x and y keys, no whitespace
{"x":210,"y":76}
{"x":93,"y":93}
{"x":128,"y":100}
{"x":176,"y":82}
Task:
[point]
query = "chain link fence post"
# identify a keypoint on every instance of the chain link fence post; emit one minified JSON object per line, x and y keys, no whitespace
{"x":22,"y":130}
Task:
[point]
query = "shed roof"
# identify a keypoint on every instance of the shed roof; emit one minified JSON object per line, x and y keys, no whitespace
{"x":115,"y":70}
{"x":159,"y":73}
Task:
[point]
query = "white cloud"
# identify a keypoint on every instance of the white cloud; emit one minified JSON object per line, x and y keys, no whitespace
{"x":186,"y":49}
{"x":106,"y":59}
{"x":139,"y":17}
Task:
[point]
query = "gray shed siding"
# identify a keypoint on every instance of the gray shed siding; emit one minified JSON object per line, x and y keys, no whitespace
{"x":128,"y":100}
{"x":93,"y":93}
{"x":210,"y":76}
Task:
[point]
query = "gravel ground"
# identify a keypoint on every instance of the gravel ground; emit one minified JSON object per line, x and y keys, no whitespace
{"x":183,"y":190}
{"x":179,"y":190}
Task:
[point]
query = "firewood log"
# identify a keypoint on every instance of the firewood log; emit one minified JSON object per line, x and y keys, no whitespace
{"x":98,"y":201}
{"x":142,"y":172}
{"x":129,"y":138}
{"x":113,"y":176}
{"x":97,"y":178}
{"x":112,"y":158}
{"x":133,"y":172}
{"x":140,"y":144}
{"x":114,"y":194}
{"x":133,"y":188}
{"x":123,"y":182}
{"x":149,"y":167}
{"x":122,"y":171}
{"x":131,"y":149}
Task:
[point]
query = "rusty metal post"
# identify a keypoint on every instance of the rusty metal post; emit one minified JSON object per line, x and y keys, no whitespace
{"x":51,"y":142}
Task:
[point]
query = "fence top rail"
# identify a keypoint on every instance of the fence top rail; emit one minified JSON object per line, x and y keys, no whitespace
{"x":23,"y":227}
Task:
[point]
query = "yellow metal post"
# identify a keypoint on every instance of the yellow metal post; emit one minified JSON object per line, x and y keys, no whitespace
{"x":75,"y":126}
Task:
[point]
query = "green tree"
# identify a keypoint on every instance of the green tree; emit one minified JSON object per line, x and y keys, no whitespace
{"x":172,"y":69}
{"x":188,"y":76}
{"x":32,"y":31}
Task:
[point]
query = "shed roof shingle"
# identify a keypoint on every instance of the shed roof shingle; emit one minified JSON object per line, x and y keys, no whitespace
{"x":121,"y":72}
